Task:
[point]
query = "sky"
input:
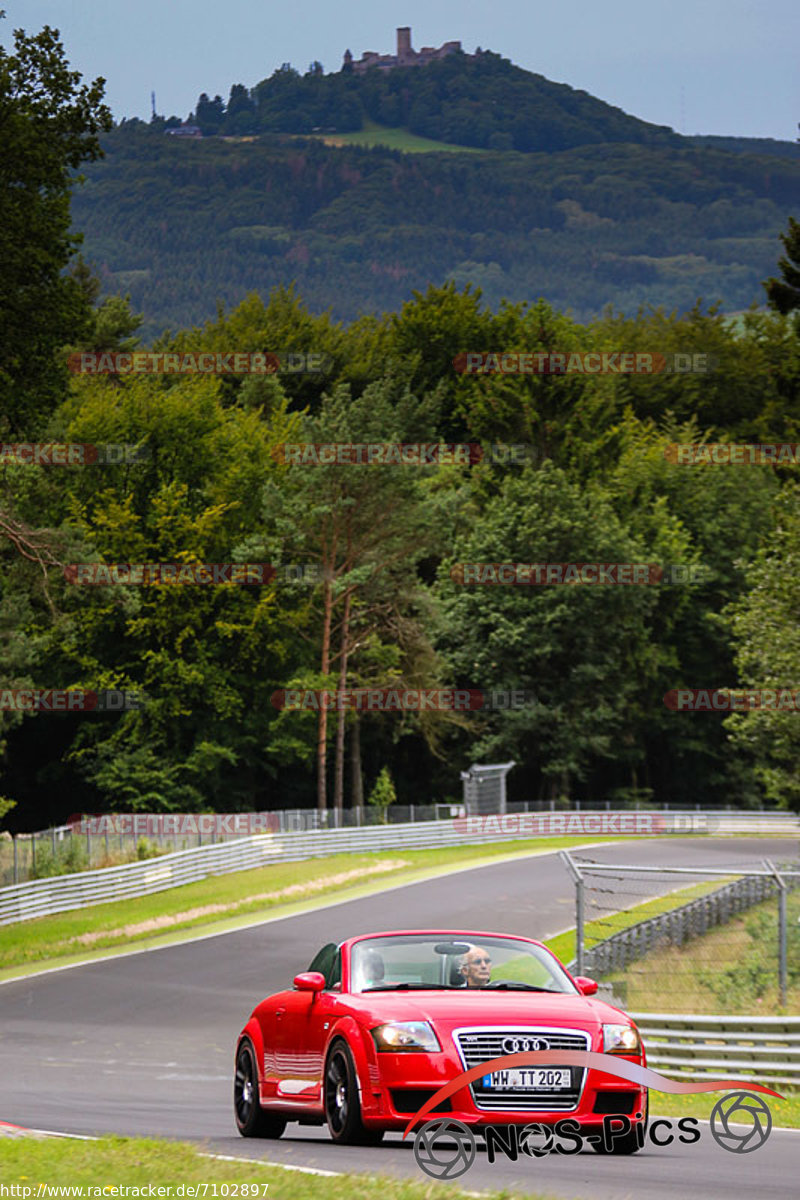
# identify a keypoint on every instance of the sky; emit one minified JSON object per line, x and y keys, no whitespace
{"x":700,"y":66}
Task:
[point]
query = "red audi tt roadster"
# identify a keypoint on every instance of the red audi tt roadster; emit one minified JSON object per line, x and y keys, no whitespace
{"x":378,"y":1024}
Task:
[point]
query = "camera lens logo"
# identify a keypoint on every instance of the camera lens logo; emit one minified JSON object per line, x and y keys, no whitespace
{"x":435,"y":1152}
{"x":744,"y":1108}
{"x":535,"y":1140}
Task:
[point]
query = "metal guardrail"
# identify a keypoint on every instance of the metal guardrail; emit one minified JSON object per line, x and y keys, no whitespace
{"x":43,"y":897}
{"x":719,"y":1047}
{"x":61,"y":893}
{"x":680,"y":925}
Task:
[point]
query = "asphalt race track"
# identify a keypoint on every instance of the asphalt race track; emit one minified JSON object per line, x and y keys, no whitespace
{"x":143,"y":1044}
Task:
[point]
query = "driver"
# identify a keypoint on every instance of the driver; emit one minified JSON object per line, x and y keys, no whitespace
{"x":476,"y":967}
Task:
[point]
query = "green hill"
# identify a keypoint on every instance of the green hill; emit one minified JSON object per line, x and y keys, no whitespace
{"x":183,"y":224}
{"x":483,"y":101}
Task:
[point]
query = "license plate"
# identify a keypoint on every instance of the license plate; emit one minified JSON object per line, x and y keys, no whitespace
{"x":529,"y":1079}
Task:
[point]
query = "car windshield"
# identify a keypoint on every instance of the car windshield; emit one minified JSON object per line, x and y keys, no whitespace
{"x":406,"y":962}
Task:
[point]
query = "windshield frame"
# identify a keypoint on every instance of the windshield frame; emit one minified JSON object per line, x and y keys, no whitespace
{"x":475,"y":938}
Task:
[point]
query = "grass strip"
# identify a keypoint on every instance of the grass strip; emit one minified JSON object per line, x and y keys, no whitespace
{"x":563,"y":944}
{"x":145,"y":920}
{"x":732,"y":969}
{"x":784,"y":1112}
{"x":139,"y":1163}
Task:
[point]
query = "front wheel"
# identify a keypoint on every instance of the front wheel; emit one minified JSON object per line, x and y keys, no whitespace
{"x":251,"y":1119}
{"x":342,"y":1106}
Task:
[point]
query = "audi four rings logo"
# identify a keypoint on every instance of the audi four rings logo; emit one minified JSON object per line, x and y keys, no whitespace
{"x":517,"y":1045}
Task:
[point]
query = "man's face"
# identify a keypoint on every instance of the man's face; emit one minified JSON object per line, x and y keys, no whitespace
{"x":476,"y":967}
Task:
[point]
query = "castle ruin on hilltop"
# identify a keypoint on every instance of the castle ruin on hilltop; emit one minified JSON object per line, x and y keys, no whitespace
{"x":405,"y":56}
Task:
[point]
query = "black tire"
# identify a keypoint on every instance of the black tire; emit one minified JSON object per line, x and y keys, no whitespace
{"x":630,"y":1143}
{"x":251,"y":1119}
{"x":342,"y":1106}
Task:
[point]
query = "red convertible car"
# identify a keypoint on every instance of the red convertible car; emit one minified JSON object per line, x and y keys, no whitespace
{"x":378,"y":1024}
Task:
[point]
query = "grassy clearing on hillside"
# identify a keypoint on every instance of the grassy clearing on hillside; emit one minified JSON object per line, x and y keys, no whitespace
{"x":139,"y":1162}
{"x":395,"y":139}
{"x":242,"y":893}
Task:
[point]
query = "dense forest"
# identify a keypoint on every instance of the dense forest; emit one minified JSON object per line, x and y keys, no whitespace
{"x":183,"y":225}
{"x":388,"y":604}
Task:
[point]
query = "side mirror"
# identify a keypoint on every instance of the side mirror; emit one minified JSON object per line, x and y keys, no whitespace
{"x":586,"y":986}
{"x":313,"y":981}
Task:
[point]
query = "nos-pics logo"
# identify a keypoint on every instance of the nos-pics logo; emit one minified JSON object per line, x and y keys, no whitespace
{"x":445,"y":1148}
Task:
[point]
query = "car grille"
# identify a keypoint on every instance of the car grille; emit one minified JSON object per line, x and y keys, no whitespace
{"x":479,"y":1045}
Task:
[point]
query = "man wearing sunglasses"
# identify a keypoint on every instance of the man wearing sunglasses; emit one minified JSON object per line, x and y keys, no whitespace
{"x":476,"y":967}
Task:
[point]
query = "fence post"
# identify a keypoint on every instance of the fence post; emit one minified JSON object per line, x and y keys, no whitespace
{"x":574,"y":871}
{"x":782,"y":952}
{"x":14,"y":840}
{"x":782,"y":931}
{"x":33,"y":856}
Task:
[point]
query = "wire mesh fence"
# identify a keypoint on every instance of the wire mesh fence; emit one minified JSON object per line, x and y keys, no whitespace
{"x":64,"y":849}
{"x":699,"y":940}
{"x":117,"y":838}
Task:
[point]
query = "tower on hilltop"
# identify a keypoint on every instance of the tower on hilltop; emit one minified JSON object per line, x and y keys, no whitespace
{"x":404,"y":51}
{"x":406,"y":56}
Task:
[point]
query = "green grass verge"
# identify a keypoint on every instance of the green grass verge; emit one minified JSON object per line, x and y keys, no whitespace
{"x":395,"y":138}
{"x":140,"y":1162}
{"x":784,"y":1112}
{"x":229,"y":901}
{"x":733,"y":969}
{"x":563,"y":945}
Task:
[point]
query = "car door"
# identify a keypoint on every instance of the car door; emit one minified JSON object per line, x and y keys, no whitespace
{"x":302,"y":1026}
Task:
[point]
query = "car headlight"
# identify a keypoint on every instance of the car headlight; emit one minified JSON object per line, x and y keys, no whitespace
{"x":621,"y":1039}
{"x":405,"y":1035}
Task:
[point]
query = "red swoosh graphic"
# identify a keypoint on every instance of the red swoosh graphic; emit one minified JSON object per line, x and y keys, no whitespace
{"x":609,"y":1064}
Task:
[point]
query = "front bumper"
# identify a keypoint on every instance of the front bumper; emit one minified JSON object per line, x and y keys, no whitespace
{"x":404,"y":1082}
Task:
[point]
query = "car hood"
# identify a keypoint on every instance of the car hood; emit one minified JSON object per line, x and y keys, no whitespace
{"x":458,"y":1007}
